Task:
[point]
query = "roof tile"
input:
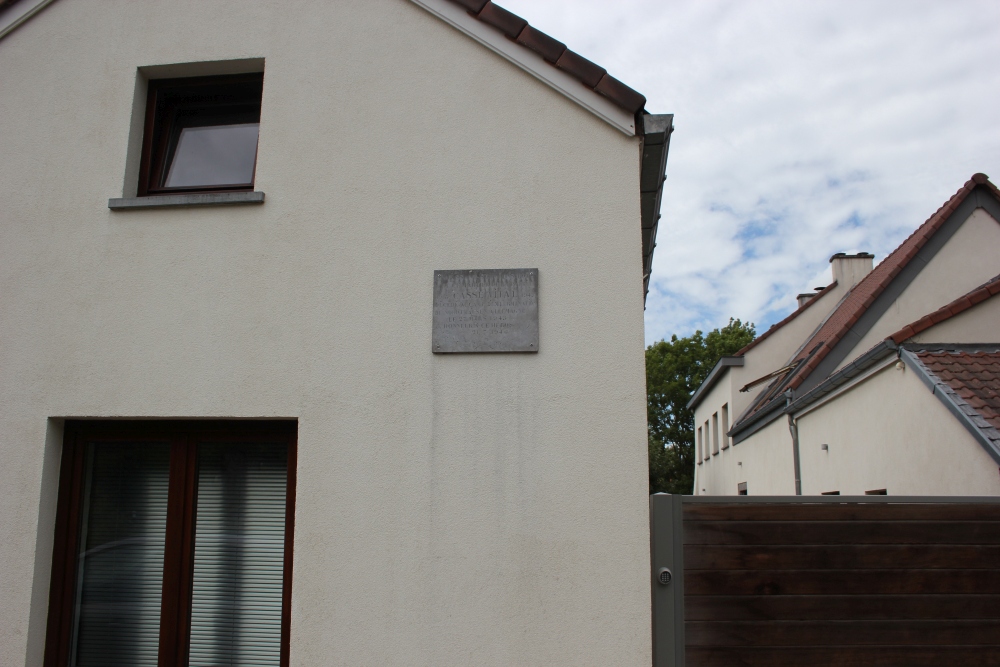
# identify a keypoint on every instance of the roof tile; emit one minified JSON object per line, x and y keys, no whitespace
{"x":620,"y":94}
{"x":506,"y":22}
{"x":975,"y":376}
{"x":579,"y":67}
{"x":547,"y":47}
{"x":474,"y":6}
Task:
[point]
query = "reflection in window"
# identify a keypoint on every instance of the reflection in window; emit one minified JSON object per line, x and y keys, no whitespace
{"x":120,"y":562}
{"x":214,"y":155}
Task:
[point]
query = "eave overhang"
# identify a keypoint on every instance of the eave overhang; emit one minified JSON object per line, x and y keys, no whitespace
{"x":713,"y":377}
{"x":656,"y":131}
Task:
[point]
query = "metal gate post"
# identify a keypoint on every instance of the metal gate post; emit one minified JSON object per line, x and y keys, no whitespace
{"x":666,"y":551}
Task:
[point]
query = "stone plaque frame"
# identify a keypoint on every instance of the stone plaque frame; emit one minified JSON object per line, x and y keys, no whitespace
{"x":485,"y":310}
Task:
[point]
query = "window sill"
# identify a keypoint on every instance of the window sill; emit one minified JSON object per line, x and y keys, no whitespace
{"x":174,"y":201}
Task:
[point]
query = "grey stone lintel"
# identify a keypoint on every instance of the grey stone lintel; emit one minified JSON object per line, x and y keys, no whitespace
{"x":173,"y":201}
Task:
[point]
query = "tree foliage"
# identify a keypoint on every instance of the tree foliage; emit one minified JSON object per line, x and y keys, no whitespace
{"x":674,"y":370}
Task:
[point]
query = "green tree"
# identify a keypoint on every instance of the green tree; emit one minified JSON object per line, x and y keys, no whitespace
{"x":674,"y":370}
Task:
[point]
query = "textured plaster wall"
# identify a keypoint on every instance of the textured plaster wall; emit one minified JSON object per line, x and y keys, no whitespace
{"x":709,"y":474}
{"x":890,"y":432}
{"x":459,"y":510}
{"x":764,"y":462}
{"x":967,"y":260}
{"x":979,"y":324}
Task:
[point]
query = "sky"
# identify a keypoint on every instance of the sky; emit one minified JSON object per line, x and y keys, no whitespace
{"x":802,"y":129}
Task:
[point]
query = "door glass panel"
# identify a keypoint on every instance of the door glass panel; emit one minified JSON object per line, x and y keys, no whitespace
{"x":120,"y":557}
{"x":238,"y":555}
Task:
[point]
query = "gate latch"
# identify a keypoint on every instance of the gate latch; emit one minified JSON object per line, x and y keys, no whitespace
{"x":664,"y":576}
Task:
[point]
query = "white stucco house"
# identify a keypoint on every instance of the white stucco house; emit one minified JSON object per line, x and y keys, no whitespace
{"x":885,"y":381}
{"x":227,"y":439}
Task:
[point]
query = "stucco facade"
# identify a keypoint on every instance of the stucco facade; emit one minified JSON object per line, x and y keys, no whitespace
{"x":450,"y":510}
{"x":908,"y":442}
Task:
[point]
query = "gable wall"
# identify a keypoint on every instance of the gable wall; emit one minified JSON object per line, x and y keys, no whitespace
{"x":764,"y":462}
{"x":391,"y":145}
{"x":979,"y":324}
{"x":890,"y":432}
{"x":967,"y":260}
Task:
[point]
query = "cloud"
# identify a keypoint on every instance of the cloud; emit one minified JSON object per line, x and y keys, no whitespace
{"x":803,"y":129}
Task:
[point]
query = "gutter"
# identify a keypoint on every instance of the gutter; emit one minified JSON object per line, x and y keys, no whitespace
{"x":844,"y":376}
{"x":655,"y":131}
{"x":769,"y":412}
{"x":757,"y":421}
{"x":793,"y":428}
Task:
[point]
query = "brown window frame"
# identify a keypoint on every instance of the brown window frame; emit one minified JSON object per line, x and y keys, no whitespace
{"x":178,"y":560}
{"x":160,"y":120}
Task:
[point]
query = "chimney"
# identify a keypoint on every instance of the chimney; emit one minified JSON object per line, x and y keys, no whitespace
{"x":848,"y":270}
{"x":802,"y":298}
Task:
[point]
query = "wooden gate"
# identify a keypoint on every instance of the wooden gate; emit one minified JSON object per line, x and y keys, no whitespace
{"x":815,"y":581}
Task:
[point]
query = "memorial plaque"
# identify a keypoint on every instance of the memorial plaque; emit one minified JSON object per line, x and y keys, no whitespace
{"x":485,"y":310}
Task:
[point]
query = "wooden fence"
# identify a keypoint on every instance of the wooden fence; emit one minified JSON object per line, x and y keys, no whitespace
{"x":845,"y":581}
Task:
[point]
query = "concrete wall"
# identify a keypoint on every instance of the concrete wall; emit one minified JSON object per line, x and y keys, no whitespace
{"x":890,"y":432}
{"x":451,"y":510}
{"x":967,"y":260}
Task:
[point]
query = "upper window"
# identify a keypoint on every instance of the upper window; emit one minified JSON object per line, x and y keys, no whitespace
{"x":173,"y":545}
{"x":200,"y":134}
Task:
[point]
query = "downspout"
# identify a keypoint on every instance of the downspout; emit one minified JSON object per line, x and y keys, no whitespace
{"x":793,"y":428}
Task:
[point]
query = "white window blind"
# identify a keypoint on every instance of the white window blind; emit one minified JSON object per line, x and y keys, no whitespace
{"x":238,"y":555}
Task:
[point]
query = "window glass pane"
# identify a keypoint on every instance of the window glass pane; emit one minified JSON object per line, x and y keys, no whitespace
{"x":214,"y":155}
{"x":238,"y":555}
{"x":120,"y":562}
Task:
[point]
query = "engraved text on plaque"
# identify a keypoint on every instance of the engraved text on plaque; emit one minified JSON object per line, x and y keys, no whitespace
{"x":485,"y":310}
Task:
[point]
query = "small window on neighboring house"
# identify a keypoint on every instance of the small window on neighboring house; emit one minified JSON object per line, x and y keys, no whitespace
{"x":715,"y":433}
{"x":830,"y":493}
{"x":700,"y":446}
{"x":725,"y":426}
{"x":741,"y":489}
{"x":708,"y":448}
{"x":876,"y":492}
{"x":200,"y":134}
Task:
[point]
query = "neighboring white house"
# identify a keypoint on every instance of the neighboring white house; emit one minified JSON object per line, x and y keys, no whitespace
{"x":180,"y":355}
{"x":885,"y":381}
